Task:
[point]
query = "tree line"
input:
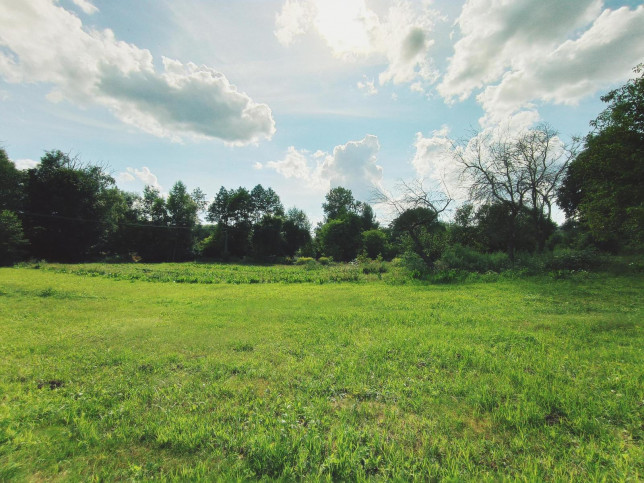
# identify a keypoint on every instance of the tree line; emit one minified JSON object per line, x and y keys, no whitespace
{"x":70,"y":211}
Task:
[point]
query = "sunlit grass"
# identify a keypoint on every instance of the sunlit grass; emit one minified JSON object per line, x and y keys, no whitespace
{"x":107,"y":377}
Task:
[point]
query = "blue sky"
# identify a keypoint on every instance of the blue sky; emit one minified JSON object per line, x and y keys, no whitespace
{"x":299,"y":95}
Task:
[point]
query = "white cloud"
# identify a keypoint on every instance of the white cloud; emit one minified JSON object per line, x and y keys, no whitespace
{"x":434,"y":159}
{"x":293,"y":20}
{"x":144,"y":175}
{"x":572,"y":71}
{"x":86,"y":6}
{"x":24,"y":164}
{"x":368,"y":86}
{"x":352,"y":165}
{"x":400,"y":36}
{"x":258,"y":166}
{"x":294,"y":165}
{"x":46,"y":43}
{"x":531,"y":51}
{"x":499,"y":35}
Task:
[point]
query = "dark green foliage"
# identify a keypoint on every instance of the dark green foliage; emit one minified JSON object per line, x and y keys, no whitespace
{"x":12,"y":239}
{"x":603,"y":186}
{"x":339,"y":202}
{"x":182,"y":213}
{"x":267,"y":239}
{"x":296,"y":230}
{"x":341,"y":238}
{"x":464,"y":258}
{"x":375,"y":243}
{"x":496,"y":231}
{"x":11,"y":184}
{"x":265,"y":202}
{"x":233,"y":209}
{"x":68,"y":208}
{"x":253,"y":223}
{"x":568,"y":259}
{"x":419,"y":230}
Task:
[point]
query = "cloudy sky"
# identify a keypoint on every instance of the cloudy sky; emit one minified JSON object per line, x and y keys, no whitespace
{"x":299,"y":95}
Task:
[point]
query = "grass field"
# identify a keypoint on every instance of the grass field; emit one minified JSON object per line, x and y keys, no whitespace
{"x":104,"y":376}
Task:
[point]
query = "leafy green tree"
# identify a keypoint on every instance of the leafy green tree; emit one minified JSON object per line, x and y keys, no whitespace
{"x":463,"y":230}
{"x":367,"y":216}
{"x":268,"y":240}
{"x":345,"y":219}
{"x":264,"y":201}
{"x":296,"y":231}
{"x":68,"y":214}
{"x":183,"y":215}
{"x":11,"y":184}
{"x":493,"y":230}
{"x":233,"y":210}
{"x":375,"y":242}
{"x":602,"y":189}
{"x":153,"y":207}
{"x":420,"y":229}
{"x":12,"y":239}
{"x":339,"y":202}
{"x":341,"y":238}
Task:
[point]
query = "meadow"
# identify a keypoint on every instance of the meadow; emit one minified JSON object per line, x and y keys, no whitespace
{"x":225,"y":372}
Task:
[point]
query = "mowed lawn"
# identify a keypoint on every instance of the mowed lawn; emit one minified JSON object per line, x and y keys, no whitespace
{"x":534,"y":379}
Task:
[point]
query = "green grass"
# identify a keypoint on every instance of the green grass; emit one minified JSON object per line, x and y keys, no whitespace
{"x":103,"y":376}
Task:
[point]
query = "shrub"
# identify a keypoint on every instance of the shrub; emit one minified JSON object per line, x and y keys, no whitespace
{"x":325,"y":260}
{"x":569,"y":259}
{"x":305,"y":261}
{"x":415,"y":265}
{"x":465,"y":258}
{"x":376,"y":266}
{"x":12,"y":240}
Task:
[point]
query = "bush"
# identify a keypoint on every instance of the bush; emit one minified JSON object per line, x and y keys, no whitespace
{"x":569,"y":259}
{"x":325,"y":260}
{"x":415,"y":265}
{"x":305,"y":261}
{"x":465,"y":258}
{"x":376,"y":266}
{"x":12,"y":240}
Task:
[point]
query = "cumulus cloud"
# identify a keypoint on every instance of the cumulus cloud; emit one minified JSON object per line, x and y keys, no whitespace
{"x":531,"y":51}
{"x":144,"y":175}
{"x":24,"y":164}
{"x":352,"y":165}
{"x":352,"y":30}
{"x":86,"y":6}
{"x":294,"y":165}
{"x":572,"y":71}
{"x":500,"y":35}
{"x":434,"y":159}
{"x":43,"y":42}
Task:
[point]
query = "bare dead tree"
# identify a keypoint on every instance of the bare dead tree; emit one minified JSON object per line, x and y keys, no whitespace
{"x":519,"y":171}
{"x":414,"y":194}
{"x":417,"y":210}
{"x":545,"y":158}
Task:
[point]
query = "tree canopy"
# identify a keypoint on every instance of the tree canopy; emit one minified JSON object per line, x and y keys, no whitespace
{"x":602,"y":189}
